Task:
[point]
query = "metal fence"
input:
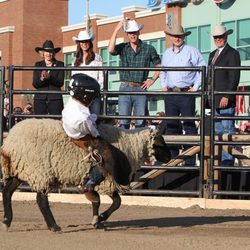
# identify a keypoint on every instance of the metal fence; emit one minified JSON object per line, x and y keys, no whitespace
{"x":226,"y":142}
{"x":206,"y":186}
{"x":2,"y":94}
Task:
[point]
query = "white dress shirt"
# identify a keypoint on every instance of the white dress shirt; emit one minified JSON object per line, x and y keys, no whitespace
{"x":77,"y":120}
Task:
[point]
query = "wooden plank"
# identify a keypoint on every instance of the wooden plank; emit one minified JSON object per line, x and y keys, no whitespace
{"x":173,"y":162}
{"x":236,"y":153}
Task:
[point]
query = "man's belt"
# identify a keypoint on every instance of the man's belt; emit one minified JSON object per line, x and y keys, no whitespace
{"x":177,"y":89}
{"x":133,"y":84}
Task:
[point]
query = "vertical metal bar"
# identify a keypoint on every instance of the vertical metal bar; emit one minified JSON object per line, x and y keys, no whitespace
{"x":11,"y":84}
{"x":212,"y":134}
{"x":2,"y":92}
{"x":105,"y":88}
{"x":202,"y":131}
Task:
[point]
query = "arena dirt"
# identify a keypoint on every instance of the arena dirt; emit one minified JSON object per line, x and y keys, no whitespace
{"x":131,"y":227}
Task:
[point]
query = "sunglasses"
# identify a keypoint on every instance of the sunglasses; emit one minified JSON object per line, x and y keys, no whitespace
{"x":178,"y":36}
{"x":219,"y":37}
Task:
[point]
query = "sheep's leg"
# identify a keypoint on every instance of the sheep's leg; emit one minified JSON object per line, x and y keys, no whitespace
{"x":7,"y":192}
{"x":43,"y":203}
{"x":94,"y":197}
{"x":114,"y":206}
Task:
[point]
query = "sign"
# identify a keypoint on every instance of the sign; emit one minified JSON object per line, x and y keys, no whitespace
{"x":156,"y":3}
{"x":219,"y":1}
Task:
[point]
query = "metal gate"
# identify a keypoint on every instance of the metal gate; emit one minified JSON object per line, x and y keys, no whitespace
{"x":206,"y":184}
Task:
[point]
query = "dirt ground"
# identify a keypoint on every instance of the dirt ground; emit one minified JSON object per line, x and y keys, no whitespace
{"x":131,"y":227}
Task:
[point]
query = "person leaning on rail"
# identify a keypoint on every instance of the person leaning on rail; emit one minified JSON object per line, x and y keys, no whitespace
{"x":85,"y":56}
{"x":225,"y":80}
{"x":180,"y":55}
{"x":134,"y":53}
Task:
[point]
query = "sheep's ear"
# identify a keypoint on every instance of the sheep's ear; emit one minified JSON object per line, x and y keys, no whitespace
{"x":159,"y":140}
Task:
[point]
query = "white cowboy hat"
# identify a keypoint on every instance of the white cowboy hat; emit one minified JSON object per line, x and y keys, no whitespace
{"x":176,"y":30}
{"x":83,"y":36}
{"x":220,"y":30}
{"x":132,"y":26}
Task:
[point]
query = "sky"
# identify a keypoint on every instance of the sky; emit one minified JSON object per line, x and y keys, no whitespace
{"x":77,"y":8}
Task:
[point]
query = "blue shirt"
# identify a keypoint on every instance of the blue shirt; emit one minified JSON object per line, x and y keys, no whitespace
{"x":187,"y":56}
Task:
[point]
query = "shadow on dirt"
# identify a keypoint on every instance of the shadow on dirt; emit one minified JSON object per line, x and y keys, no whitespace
{"x":175,"y":222}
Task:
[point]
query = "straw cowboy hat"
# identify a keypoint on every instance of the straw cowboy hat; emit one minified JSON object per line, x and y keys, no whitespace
{"x":177,"y":30}
{"x":220,"y":30}
{"x":83,"y":36}
{"x":132,"y":26}
{"x":47,"y":46}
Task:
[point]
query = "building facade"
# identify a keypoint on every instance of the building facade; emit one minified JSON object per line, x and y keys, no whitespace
{"x":34,"y":22}
{"x":24,"y":25}
{"x":197,"y":16}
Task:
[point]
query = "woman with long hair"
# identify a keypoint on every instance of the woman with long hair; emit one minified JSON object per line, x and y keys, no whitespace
{"x":85,"y":56}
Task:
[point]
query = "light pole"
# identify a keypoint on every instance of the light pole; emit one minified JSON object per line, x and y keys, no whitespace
{"x":87,"y":16}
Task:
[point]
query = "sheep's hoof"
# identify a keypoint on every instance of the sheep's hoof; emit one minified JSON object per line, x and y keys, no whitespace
{"x":55,"y":228}
{"x":5,"y":227}
{"x":102,"y":217}
{"x":99,"y":225}
{"x":96,"y":223}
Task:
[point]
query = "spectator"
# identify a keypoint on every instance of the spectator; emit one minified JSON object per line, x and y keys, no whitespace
{"x":133,"y":54}
{"x":28,"y":109}
{"x":17,"y":111}
{"x":6,"y":107}
{"x":225,"y":80}
{"x":180,"y":55}
{"x":85,"y":56}
{"x":48,"y":80}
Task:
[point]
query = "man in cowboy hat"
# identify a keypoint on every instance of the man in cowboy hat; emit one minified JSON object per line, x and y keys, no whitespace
{"x":180,"y":55}
{"x":225,"y":80}
{"x":133,"y":54}
{"x":48,"y":80}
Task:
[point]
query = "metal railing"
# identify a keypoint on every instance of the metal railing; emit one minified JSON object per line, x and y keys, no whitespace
{"x":106,"y":94}
{"x":2,"y":95}
{"x":218,"y":141}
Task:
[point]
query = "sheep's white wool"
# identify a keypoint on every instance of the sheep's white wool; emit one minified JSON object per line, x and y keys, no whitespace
{"x":136,"y":144}
{"x":39,"y":152}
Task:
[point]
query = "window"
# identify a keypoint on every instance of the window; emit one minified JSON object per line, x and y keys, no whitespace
{"x":200,"y":38}
{"x":240,"y":39}
{"x":111,"y":61}
{"x":68,"y":58}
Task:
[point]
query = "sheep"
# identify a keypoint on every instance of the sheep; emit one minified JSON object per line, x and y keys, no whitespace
{"x":38,"y":152}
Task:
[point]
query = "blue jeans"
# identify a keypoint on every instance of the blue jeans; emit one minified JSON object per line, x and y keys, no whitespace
{"x":225,"y":127}
{"x":95,"y":178}
{"x":127,"y":103}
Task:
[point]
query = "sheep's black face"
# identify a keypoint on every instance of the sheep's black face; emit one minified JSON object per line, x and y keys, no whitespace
{"x":162,"y":152}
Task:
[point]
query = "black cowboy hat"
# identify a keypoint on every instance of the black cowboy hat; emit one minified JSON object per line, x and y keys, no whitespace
{"x":48,"y":46}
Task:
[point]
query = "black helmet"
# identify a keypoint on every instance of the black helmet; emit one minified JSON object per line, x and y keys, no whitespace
{"x":84,"y":88}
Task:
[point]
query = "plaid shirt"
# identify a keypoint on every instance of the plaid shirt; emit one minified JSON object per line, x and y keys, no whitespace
{"x":143,"y":57}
